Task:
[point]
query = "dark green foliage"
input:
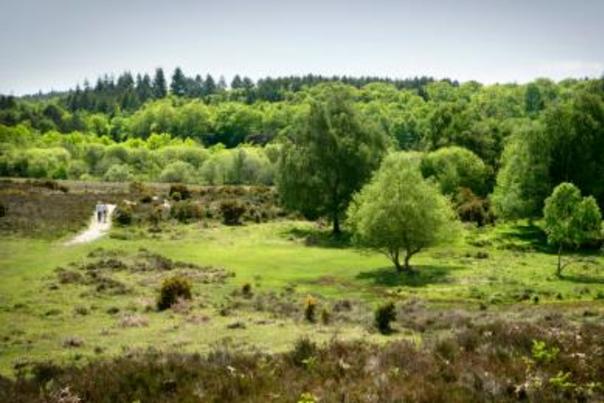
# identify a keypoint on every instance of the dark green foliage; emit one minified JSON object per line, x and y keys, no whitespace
{"x":173,"y":289}
{"x":183,"y":192}
{"x":329,"y":156}
{"x":231,"y":211}
{"x":123,"y":215}
{"x":384,"y":315}
{"x":246,"y":290}
{"x":146,"y":198}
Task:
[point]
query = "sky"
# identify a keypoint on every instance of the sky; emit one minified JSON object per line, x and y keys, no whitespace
{"x":55,"y":44}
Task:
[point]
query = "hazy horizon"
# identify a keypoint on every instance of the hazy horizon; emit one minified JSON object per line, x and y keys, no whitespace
{"x":54,"y":46}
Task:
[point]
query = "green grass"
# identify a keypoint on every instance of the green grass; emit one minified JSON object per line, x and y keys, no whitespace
{"x":35,"y":319}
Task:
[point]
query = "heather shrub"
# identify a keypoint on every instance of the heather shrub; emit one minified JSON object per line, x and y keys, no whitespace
{"x":304,"y":349}
{"x":325,"y":316}
{"x":186,"y":211}
{"x":231,"y":210}
{"x":171,"y":290}
{"x":384,"y":315}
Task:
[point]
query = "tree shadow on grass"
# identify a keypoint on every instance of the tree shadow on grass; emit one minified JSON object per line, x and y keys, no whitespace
{"x":583,"y":279}
{"x":590,"y":272}
{"x":528,"y":234}
{"x":322,"y":238}
{"x":421,"y":277}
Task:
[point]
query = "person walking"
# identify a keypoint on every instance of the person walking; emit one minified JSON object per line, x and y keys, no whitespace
{"x":105,"y":211}
{"x":99,"y":211}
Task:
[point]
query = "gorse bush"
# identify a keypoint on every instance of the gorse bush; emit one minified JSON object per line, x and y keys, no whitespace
{"x":310,"y":309}
{"x":173,"y":289}
{"x":231,"y":211}
{"x":384,"y":315}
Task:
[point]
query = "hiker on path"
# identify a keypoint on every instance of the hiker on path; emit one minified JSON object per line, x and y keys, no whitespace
{"x":99,"y":211}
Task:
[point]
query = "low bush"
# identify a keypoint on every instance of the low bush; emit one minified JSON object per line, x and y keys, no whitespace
{"x":146,"y":198}
{"x":183,"y":192}
{"x":310,"y":309}
{"x":471,"y":208}
{"x":246,"y":290}
{"x":186,"y":211}
{"x":123,"y":215}
{"x":304,"y":349}
{"x":325,"y":316}
{"x":384,"y":315}
{"x":171,"y":290}
{"x":232,"y":210}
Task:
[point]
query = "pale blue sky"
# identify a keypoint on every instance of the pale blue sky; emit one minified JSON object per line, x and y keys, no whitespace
{"x":53,"y":44}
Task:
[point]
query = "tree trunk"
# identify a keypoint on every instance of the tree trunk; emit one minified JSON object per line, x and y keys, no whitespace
{"x":401,"y":268}
{"x":395,"y":259}
{"x":336,"y":225}
{"x":559,"y":269}
{"x":407,"y":265}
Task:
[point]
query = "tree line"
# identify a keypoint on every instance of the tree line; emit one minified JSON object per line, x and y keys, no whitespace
{"x":400,"y":165}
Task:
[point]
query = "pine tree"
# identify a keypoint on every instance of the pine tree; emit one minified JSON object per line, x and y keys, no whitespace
{"x":159,"y":84}
{"x":179,"y":83}
{"x":209,"y":86}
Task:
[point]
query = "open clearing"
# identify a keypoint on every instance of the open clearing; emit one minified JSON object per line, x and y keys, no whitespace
{"x":40,"y":314}
{"x":80,"y":305}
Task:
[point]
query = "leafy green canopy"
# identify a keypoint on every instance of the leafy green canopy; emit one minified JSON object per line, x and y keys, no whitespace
{"x":570,"y":220}
{"x":454,"y":168}
{"x":400,"y":212}
{"x":328,"y":157}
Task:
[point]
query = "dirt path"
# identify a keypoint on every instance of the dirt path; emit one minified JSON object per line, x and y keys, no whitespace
{"x":95,"y":230}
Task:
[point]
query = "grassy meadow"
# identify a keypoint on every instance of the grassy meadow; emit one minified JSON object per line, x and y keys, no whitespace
{"x":82,"y":304}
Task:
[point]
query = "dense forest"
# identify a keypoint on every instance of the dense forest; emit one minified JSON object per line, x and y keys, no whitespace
{"x":494,"y":149}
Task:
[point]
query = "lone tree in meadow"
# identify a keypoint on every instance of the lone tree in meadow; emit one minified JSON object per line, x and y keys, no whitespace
{"x":328,"y":156}
{"x":399,"y":213}
{"x":570,"y":219}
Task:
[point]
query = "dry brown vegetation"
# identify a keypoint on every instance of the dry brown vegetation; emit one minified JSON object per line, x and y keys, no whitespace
{"x":495,"y":361}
